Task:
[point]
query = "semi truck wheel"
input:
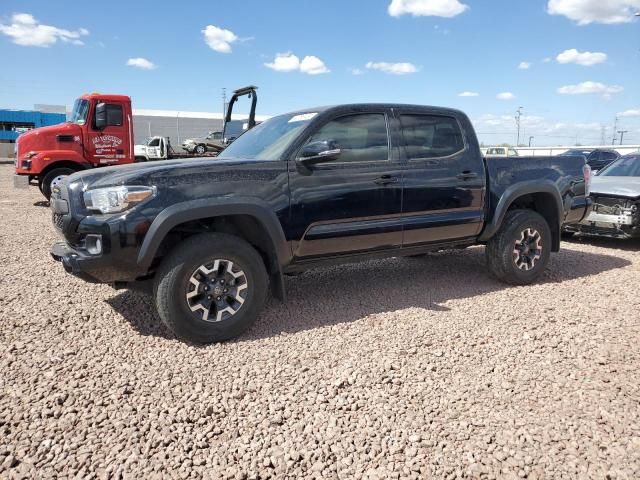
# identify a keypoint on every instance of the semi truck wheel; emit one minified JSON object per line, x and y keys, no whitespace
{"x":200,"y":149}
{"x":53,"y":178}
{"x":519,"y":252}
{"x":210,"y":288}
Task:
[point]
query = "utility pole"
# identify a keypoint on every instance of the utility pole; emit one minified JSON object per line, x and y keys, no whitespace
{"x":615,"y":129}
{"x":622,"y":132}
{"x":224,"y":105}
{"x":603,"y":134}
{"x":518,"y":116}
{"x":530,"y":138}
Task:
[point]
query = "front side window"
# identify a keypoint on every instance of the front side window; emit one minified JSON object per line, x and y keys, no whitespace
{"x":80,"y":112}
{"x":114,"y":115}
{"x":513,"y":152}
{"x":361,"y":137}
{"x":154,"y":142}
{"x":433,"y":136}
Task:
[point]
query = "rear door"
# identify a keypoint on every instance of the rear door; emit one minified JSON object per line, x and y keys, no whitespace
{"x":444,"y":181}
{"x":353,"y":203}
{"x":109,"y":145}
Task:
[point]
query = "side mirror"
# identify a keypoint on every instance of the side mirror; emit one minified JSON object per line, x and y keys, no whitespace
{"x":319,"y":152}
{"x":100,"y":121}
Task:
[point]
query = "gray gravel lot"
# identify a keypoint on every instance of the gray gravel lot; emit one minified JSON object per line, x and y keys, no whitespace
{"x":401,"y":368}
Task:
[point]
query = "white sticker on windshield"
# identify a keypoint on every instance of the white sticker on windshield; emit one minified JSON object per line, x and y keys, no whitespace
{"x":303,"y":117}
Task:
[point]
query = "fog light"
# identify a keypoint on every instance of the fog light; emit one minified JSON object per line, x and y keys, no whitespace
{"x":93,"y":244}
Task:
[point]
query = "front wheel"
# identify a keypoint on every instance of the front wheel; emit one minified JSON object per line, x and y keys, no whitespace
{"x":200,"y":149}
{"x":52,"y":179}
{"x":519,"y":252}
{"x":211,"y":288}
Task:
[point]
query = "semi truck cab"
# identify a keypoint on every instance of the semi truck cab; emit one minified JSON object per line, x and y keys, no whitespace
{"x":99,"y":132}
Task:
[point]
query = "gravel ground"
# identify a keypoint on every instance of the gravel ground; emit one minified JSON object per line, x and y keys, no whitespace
{"x":401,"y":368}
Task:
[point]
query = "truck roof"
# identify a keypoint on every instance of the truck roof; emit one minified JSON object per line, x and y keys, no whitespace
{"x":106,"y":96}
{"x":356,"y":106}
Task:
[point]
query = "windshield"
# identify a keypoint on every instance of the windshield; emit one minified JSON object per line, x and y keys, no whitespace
{"x":627,"y":166}
{"x":80,"y":111}
{"x":268,"y":140}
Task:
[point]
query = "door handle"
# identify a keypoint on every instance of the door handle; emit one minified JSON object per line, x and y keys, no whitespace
{"x":467,"y":175}
{"x":386,"y":180}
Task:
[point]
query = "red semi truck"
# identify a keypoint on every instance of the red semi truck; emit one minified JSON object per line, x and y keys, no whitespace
{"x":99,"y":133}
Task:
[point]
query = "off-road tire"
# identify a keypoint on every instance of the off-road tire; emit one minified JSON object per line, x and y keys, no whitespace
{"x":45,"y":184}
{"x":173,"y":278}
{"x":499,"y":251}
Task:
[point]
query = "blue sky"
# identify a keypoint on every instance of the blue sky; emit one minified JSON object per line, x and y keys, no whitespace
{"x":410,"y":51}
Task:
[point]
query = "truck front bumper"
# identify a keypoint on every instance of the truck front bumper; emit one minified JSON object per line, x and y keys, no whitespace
{"x":77,"y":263}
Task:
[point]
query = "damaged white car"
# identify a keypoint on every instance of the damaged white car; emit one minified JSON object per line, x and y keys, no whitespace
{"x":616,"y":201}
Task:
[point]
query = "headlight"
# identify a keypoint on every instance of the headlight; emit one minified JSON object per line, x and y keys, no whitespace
{"x":116,"y":199}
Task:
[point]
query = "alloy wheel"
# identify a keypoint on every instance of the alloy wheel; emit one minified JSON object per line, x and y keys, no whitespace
{"x":528,"y":249}
{"x":217,"y":290}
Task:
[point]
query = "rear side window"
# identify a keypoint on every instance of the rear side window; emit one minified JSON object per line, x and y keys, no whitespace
{"x":430,"y":136}
{"x":608,"y":156}
{"x":361,"y":137}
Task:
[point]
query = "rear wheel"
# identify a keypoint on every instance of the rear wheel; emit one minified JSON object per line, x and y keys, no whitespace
{"x":211,"y":288}
{"x":52,"y":179}
{"x":519,"y":252}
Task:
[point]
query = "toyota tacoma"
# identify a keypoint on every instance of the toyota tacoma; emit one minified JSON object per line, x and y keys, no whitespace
{"x":304,"y":190}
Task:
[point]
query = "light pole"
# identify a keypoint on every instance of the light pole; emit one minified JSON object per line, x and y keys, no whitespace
{"x":530,"y":138}
{"x":518,"y":115}
{"x":622,"y":132}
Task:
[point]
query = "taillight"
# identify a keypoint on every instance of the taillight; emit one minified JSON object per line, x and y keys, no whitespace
{"x":586,"y":173}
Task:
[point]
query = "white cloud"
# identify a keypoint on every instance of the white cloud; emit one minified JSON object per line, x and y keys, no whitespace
{"x":288,"y":62}
{"x":426,"y":8}
{"x":219,"y":39}
{"x":524,"y":66}
{"x":505,"y":96}
{"x":586,"y":59}
{"x":142,"y":63}
{"x":590,"y":87}
{"x":469,"y":94}
{"x":585,"y":12}
{"x":284,"y":62}
{"x":25,"y":30}
{"x":634,"y":112}
{"x":356,"y":71}
{"x":401,"y":68}
{"x":312,"y":65}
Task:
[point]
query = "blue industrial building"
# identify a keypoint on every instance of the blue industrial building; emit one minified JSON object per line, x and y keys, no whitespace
{"x":15,"y":122}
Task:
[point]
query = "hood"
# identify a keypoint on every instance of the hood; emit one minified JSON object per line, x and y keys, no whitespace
{"x":163,"y":173}
{"x":619,"y":186}
{"x":48,"y":138}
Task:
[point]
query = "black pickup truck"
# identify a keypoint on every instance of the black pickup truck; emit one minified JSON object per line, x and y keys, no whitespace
{"x":304,"y":190}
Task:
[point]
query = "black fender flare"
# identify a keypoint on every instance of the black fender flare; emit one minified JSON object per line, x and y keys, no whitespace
{"x":210,"y":208}
{"x":515,"y":191}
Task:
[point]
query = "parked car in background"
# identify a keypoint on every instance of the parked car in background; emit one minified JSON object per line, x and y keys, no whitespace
{"x":597,"y":158}
{"x":309,"y":189}
{"x":160,"y":148}
{"x":212,"y":142}
{"x":616,"y":201}
{"x":501,"y":152}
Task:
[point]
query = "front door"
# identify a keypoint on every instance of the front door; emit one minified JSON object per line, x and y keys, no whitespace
{"x":109,"y":145}
{"x":444,"y":180}
{"x":352,"y":203}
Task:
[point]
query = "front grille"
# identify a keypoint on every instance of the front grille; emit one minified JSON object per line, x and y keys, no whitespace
{"x":58,"y":220}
